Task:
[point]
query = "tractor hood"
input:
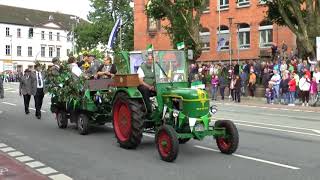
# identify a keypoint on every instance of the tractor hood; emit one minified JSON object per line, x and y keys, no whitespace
{"x":186,"y":94}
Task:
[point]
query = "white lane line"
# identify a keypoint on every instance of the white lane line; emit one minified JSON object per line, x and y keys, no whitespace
{"x":60,"y":177}
{"x":47,"y":170}
{"x":3,"y":145}
{"x":7,"y":149}
{"x":24,"y":158}
{"x":11,"y":104}
{"x":276,"y":129}
{"x":35,"y":109}
{"x":1,"y":112}
{"x":13,"y":91}
{"x":276,"y":125}
{"x":316,"y":131}
{"x":253,"y":159}
{"x":15,"y":154}
{"x":35,"y":164}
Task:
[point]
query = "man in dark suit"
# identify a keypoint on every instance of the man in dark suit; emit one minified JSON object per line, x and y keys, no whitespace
{"x":25,"y":89}
{"x":94,"y":66}
{"x":38,"y":88}
{"x":107,"y":69}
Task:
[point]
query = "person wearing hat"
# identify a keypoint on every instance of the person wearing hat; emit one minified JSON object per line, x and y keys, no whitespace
{"x":25,"y":89}
{"x":38,"y":89}
{"x":94,"y":66}
{"x":56,"y":66}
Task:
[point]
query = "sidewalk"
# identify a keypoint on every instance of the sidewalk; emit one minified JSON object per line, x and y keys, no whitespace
{"x":10,"y":169}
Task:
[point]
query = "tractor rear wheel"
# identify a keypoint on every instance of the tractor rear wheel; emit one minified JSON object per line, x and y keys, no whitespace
{"x":127,"y":121}
{"x":62,"y":120}
{"x":229,"y":144}
{"x":167,"y":143}
{"x":83,"y":124}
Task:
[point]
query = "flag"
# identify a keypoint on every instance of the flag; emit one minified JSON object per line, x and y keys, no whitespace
{"x":114,"y":32}
{"x":221,"y":43}
{"x":180,"y":45}
{"x":150,"y":47}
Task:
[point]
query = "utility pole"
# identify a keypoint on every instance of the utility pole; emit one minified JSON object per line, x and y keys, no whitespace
{"x":238,"y":40}
{"x":230,"y":39}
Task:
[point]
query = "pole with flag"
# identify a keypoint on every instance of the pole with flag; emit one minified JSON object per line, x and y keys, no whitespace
{"x":113,"y":34}
{"x":180,"y":45}
{"x":150,"y":47}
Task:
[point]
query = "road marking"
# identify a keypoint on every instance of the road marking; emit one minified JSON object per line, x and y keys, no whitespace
{"x":7,"y":149}
{"x":13,"y":91}
{"x":35,"y":164}
{"x":316,"y":131}
{"x":2,"y":145}
{"x":24,"y":159}
{"x":9,"y":104}
{"x":275,"y":129}
{"x":35,"y":109}
{"x":253,"y":159}
{"x":15,"y":154}
{"x":1,"y":112}
{"x":60,"y":177}
{"x":47,"y":170}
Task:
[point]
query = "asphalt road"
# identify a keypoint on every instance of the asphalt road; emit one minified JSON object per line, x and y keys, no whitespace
{"x":274,"y":144}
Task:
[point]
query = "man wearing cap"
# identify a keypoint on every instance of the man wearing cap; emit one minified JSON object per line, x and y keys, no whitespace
{"x":38,"y":89}
{"x":94,"y":66}
{"x":25,"y":89}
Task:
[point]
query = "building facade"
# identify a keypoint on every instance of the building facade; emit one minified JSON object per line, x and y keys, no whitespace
{"x":32,"y":35}
{"x":235,"y":30}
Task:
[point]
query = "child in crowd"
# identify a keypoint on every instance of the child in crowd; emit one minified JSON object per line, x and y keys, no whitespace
{"x":269,"y":95}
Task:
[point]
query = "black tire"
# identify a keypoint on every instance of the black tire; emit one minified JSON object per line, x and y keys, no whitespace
{"x":183,"y":141}
{"x":166,"y":134}
{"x":62,"y":120}
{"x":83,"y":124}
{"x":229,"y":145}
{"x":128,"y":110}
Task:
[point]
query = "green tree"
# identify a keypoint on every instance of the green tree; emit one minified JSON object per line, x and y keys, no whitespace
{"x":184,"y":20}
{"x":302,"y":17}
{"x":102,"y":20}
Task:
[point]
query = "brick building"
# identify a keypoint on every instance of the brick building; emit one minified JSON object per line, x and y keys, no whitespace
{"x":248,"y":29}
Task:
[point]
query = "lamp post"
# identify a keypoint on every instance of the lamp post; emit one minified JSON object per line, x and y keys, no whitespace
{"x":238,"y":40}
{"x":230,"y":39}
{"x":76,"y":21}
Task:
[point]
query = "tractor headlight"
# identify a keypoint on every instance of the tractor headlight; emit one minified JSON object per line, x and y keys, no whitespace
{"x":175,"y":113}
{"x":199,"y":127}
{"x":213,"y":110}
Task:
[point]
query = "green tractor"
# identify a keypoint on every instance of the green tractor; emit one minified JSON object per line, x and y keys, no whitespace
{"x":179,"y":113}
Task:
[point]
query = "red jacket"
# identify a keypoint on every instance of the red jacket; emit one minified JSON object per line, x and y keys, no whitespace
{"x":292,"y":85}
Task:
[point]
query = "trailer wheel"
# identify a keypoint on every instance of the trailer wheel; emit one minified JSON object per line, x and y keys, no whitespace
{"x":62,"y":121}
{"x":127,"y":121}
{"x":83,"y":124}
{"x":167,"y":143}
{"x":229,"y":144}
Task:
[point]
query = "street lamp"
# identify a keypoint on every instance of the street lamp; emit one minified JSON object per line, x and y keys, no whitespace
{"x":230,"y":39}
{"x":238,"y":40}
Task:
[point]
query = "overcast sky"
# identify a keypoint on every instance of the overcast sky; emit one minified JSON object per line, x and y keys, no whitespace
{"x":75,"y":7}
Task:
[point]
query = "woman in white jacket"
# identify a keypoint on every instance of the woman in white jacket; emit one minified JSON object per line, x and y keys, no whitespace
{"x":304,"y":85}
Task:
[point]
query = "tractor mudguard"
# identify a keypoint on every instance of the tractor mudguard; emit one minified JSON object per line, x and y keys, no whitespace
{"x":132,"y":92}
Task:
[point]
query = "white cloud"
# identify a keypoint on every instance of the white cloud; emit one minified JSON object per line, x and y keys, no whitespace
{"x":75,"y":7}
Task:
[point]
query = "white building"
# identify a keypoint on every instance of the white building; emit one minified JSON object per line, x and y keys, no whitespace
{"x":29,"y":35}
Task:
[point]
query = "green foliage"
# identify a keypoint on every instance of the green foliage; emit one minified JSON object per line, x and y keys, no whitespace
{"x":65,"y":87}
{"x":103,"y":18}
{"x":184,"y":17}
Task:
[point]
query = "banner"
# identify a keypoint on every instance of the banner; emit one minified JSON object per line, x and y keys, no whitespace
{"x":113,"y":34}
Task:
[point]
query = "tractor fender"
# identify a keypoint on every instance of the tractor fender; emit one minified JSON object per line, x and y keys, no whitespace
{"x":133,"y":93}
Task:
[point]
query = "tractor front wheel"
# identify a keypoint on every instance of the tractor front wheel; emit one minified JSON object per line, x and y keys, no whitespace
{"x":83,"y":124}
{"x":167,"y":143}
{"x":127,"y":121}
{"x":229,"y":143}
{"x":62,"y":120}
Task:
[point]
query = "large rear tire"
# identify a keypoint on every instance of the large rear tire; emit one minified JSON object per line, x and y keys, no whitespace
{"x":230,"y":144}
{"x":127,"y":121}
{"x":167,"y":143}
{"x":62,"y":120}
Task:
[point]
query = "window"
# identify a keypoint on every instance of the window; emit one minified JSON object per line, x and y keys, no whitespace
{"x":243,"y":3}
{"x":7,"y":31}
{"x":243,"y":36}
{"x":223,"y":4}
{"x":18,"y":50}
{"x":50,"y":36}
{"x":266,"y":34}
{"x":43,"y":51}
{"x":8,"y":50}
{"x":205,"y":39}
{"x":50,"y":51}
{"x":223,"y":38}
{"x":207,"y":9}
{"x":58,"y":36}
{"x":153,"y":24}
{"x":18,"y":32}
{"x":42,"y":35}
{"x":68,"y":52}
{"x":29,"y":51}
{"x":58,"y":52}
{"x":30,"y":33}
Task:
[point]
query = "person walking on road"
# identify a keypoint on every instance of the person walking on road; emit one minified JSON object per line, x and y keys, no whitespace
{"x":38,"y":88}
{"x":25,"y":89}
{"x":1,"y":87}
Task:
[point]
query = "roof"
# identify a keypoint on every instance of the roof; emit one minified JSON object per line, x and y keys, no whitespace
{"x":32,"y":17}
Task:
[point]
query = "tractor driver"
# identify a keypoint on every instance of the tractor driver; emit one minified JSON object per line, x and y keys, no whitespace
{"x":147,"y":81}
